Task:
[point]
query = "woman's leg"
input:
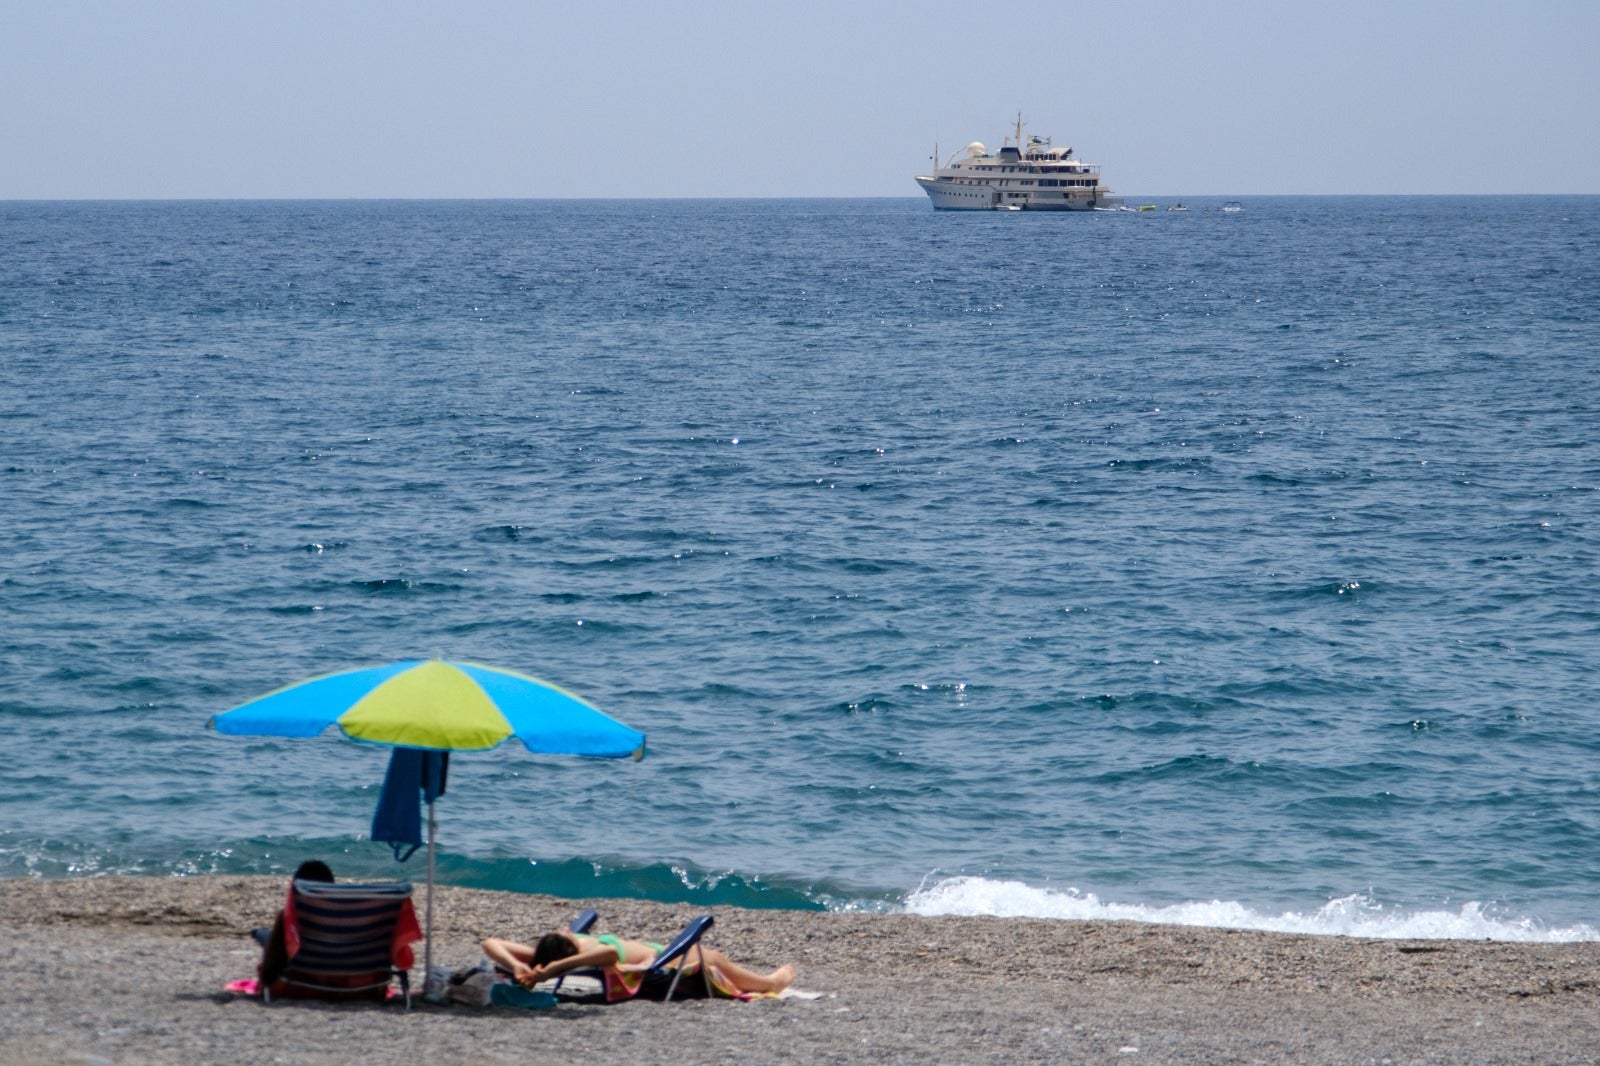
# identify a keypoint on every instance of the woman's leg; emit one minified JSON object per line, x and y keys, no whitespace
{"x":746,"y":980}
{"x":274,"y":954}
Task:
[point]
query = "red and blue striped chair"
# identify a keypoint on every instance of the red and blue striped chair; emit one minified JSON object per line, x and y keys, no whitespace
{"x":347,"y":941}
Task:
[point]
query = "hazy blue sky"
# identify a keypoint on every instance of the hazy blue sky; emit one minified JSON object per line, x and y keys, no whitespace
{"x":475,"y":98}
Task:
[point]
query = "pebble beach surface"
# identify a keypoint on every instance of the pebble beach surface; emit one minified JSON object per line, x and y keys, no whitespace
{"x":132,"y":970}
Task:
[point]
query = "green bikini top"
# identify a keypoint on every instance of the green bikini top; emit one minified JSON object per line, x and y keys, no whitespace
{"x":615,"y":943}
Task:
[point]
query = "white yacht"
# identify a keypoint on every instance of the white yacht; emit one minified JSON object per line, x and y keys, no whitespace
{"x":1035,"y":176}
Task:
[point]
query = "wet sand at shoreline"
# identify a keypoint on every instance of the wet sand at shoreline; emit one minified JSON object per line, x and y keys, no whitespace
{"x":132,"y":970}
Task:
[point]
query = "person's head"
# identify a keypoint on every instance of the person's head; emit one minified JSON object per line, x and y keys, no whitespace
{"x":314,"y":870}
{"x":552,"y":947}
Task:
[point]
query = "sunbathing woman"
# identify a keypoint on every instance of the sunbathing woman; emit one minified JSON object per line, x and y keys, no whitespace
{"x":563,"y":951}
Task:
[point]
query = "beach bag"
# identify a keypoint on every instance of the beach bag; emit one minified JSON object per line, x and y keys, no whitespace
{"x":506,"y":994}
{"x":471,"y":986}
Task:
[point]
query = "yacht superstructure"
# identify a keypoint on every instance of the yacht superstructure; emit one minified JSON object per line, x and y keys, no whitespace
{"x":1035,"y":176}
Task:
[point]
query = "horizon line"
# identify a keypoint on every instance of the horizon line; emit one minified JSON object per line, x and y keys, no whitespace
{"x":719,"y":199}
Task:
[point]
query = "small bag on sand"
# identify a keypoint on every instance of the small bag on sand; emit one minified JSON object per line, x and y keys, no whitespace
{"x":506,"y":994}
{"x":471,"y":986}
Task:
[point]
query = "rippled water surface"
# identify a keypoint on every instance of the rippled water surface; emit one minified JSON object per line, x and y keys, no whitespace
{"x":1244,"y":563}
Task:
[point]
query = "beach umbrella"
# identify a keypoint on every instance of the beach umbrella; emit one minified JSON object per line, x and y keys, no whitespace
{"x":435,"y":706}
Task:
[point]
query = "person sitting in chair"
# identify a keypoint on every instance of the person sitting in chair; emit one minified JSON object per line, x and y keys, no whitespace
{"x":274,"y":955}
{"x":564,"y":951}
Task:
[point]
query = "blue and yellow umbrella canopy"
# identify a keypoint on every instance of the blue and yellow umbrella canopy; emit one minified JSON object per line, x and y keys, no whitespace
{"x":437,"y":706}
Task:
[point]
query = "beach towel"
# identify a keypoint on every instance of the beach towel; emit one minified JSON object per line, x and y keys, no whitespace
{"x":621,"y":986}
{"x":413,"y":774}
{"x":249,"y":986}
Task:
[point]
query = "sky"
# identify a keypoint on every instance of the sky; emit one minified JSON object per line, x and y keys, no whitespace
{"x":644,"y":98}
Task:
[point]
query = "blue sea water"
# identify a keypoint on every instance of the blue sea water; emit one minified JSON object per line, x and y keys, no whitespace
{"x":1228,"y":569}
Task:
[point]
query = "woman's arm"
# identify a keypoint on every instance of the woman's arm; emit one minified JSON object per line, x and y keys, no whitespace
{"x":589,"y":958}
{"x":509,"y":955}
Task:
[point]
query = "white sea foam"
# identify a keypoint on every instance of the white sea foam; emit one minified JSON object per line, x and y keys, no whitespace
{"x":1353,"y":915}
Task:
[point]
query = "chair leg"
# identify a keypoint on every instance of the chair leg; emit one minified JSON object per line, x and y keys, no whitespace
{"x":677,"y":975}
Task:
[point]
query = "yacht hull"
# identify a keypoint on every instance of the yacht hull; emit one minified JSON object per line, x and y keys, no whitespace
{"x":950,"y":196}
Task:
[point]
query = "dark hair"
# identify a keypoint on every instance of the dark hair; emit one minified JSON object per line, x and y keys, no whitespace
{"x":552,"y":946}
{"x":314,"y":870}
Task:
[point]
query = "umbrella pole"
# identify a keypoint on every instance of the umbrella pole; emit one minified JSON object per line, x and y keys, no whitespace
{"x":427,"y":943}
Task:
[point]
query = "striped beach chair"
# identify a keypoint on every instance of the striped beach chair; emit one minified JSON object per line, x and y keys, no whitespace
{"x":347,"y":941}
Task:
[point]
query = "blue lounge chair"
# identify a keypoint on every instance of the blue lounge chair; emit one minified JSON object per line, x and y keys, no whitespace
{"x":661,"y":980}
{"x":678,"y":951}
{"x":348,"y":944}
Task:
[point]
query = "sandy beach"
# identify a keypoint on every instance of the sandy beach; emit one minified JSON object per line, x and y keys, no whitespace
{"x":132,"y":970}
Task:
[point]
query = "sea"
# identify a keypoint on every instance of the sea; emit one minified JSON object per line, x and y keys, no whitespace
{"x":1232,"y":569}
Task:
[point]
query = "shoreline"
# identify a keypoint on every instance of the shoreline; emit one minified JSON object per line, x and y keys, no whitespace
{"x":126,"y":969}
